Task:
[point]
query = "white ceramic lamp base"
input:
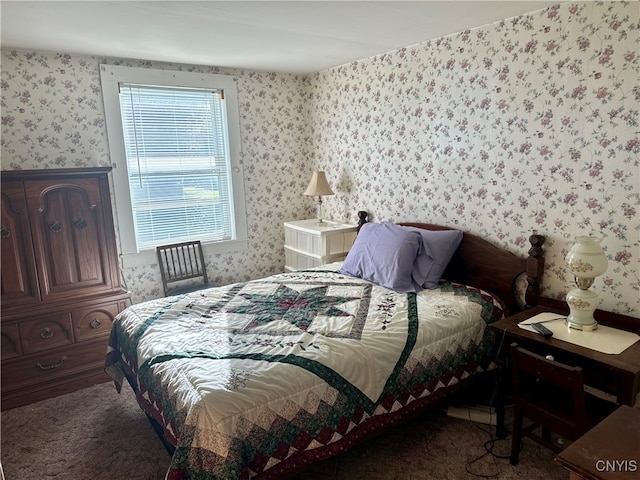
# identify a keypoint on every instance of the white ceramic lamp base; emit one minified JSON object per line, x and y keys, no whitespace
{"x":582,"y":304}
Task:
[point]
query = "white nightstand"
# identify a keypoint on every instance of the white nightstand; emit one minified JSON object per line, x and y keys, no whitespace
{"x":306,"y":244}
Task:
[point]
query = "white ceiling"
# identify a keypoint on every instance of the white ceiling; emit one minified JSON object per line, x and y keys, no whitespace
{"x":285,"y":36}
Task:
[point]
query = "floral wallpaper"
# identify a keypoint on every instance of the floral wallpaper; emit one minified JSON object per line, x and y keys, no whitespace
{"x":53,"y":117}
{"x":529,"y":124}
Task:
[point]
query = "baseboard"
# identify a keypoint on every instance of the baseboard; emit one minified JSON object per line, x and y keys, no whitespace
{"x":475,"y":413}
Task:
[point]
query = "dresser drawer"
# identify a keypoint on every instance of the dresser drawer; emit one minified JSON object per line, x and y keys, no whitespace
{"x":295,"y":260}
{"x":46,"y":366}
{"x":299,"y":261}
{"x":46,"y":333}
{"x":10,"y":341}
{"x":94,"y":322}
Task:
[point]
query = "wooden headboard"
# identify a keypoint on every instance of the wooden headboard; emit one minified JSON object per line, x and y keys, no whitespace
{"x":479,"y":263}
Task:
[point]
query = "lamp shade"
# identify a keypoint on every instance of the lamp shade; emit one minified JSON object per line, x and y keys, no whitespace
{"x":586,"y":258}
{"x":318,"y":185}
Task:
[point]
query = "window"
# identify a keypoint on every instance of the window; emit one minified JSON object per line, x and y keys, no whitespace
{"x":174,"y":142}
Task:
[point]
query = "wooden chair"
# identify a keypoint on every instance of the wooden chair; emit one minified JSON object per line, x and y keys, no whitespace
{"x":552,"y":396}
{"x":180,"y":262}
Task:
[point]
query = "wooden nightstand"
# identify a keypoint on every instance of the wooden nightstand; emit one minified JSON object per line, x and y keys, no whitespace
{"x":616,"y":375}
{"x":307,"y":244}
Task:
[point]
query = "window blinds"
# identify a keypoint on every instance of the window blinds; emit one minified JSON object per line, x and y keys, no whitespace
{"x":176,"y":147}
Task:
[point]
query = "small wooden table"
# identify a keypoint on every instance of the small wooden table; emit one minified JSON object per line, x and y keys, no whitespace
{"x":609,"y":451}
{"x":617,"y":375}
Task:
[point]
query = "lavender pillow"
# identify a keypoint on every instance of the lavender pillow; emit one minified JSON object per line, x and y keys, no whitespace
{"x":440,"y":245}
{"x":388,"y":255}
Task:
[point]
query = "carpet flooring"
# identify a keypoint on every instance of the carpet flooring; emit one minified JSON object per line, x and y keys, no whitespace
{"x":98,"y":434}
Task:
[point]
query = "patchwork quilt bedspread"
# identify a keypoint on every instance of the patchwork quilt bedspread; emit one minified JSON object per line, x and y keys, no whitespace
{"x":255,"y":379}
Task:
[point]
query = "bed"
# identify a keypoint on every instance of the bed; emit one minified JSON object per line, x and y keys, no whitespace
{"x":259,"y":379}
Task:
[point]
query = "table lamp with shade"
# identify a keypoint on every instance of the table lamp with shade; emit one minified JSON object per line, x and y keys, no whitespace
{"x":586,"y":260}
{"x":319,"y":187}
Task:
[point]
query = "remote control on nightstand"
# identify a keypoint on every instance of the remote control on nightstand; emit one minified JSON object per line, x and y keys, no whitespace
{"x":542,"y":330}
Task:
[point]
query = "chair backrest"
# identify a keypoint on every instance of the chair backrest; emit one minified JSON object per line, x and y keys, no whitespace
{"x":549,"y":392}
{"x":181,"y":261}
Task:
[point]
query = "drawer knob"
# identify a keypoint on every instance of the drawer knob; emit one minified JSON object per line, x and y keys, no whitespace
{"x":55,"y":227}
{"x":46,"y":333}
{"x":80,"y":224}
{"x":95,"y":323}
{"x":53,"y":365}
{"x":5,"y":232}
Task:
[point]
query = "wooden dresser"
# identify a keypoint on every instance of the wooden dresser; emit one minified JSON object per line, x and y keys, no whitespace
{"x":61,"y":284}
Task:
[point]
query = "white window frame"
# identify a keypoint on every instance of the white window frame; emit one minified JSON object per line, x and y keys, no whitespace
{"x":111,"y":76}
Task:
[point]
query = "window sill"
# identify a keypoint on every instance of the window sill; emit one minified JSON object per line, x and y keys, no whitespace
{"x":149,"y":257}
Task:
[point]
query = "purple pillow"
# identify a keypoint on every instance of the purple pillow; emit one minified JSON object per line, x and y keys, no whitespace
{"x":440,"y":245}
{"x":388,"y":255}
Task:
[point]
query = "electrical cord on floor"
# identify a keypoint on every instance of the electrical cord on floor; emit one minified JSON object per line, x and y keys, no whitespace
{"x":489,"y":444}
{"x":489,"y":450}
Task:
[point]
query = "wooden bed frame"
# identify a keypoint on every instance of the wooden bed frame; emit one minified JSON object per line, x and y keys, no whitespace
{"x":481,"y":264}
